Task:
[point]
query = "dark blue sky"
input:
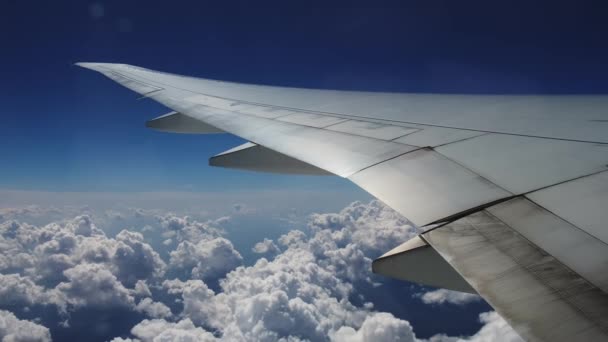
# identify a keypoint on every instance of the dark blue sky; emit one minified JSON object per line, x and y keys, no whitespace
{"x":65,"y":128}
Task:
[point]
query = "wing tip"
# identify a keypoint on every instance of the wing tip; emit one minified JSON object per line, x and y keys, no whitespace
{"x":91,"y":66}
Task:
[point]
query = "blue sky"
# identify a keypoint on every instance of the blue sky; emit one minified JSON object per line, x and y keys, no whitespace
{"x":66,"y":129}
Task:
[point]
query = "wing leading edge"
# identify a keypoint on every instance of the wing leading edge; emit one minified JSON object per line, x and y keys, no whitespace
{"x":484,"y":176}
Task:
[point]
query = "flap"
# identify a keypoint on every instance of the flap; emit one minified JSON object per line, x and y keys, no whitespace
{"x":418,"y":262}
{"x":175,"y":122}
{"x":253,"y":157}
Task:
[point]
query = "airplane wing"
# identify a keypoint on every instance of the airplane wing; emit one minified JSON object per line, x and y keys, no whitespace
{"x":510,"y":192}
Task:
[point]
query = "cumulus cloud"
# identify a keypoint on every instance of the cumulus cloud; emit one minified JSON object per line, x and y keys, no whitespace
{"x":378,"y":327}
{"x":153,"y":309}
{"x":161,"y":330}
{"x":206,"y":259}
{"x":72,"y":265}
{"x":141,"y":289}
{"x":134,"y":259}
{"x":441,"y":296}
{"x":94,"y":285}
{"x":494,"y":329}
{"x":373,"y":227}
{"x":18,"y":290}
{"x":185,"y":228}
{"x":303,"y":293}
{"x":267,"y":247}
{"x":44,"y":253}
{"x":13,"y":329}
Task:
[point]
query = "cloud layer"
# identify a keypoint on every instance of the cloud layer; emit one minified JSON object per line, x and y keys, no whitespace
{"x":13,"y":329}
{"x":305,"y":285}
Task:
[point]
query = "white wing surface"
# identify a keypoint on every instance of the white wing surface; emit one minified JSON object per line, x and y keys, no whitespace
{"x":510,"y":192}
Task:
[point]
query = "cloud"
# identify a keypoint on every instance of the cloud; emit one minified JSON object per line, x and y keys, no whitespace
{"x":18,"y":290}
{"x":494,"y":329}
{"x":187,"y":229}
{"x":44,"y":253}
{"x":442,"y":296}
{"x":378,"y":327}
{"x":199,"y":302}
{"x":303,"y":293}
{"x":93,"y":285}
{"x":266,"y":247}
{"x":206,"y":259}
{"x":161,"y":330}
{"x":153,"y":309}
{"x":373,"y":227}
{"x":13,"y":329}
{"x":134,"y":259}
{"x":141,"y":289}
{"x":309,"y":285}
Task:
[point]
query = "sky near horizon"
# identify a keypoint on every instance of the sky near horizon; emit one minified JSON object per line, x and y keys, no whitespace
{"x":109,"y":230}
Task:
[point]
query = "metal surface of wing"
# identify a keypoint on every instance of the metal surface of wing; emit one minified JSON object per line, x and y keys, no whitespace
{"x":253,"y":157}
{"x":175,"y":122}
{"x":415,"y":260}
{"x":518,"y":185}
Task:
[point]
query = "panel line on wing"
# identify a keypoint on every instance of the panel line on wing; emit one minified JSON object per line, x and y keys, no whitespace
{"x":566,"y":181}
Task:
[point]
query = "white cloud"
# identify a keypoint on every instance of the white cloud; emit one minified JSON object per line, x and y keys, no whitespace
{"x":302,"y":293}
{"x":44,"y":253}
{"x":141,"y":289}
{"x":373,"y":227}
{"x":18,"y":290}
{"x":83,"y":225}
{"x":93,"y":285}
{"x":134,"y":259}
{"x":187,"y":229}
{"x":495,"y":328}
{"x":206,"y":259}
{"x":13,"y":329}
{"x":153,"y":309}
{"x":377,"y":327}
{"x":161,"y":330}
{"x":267,"y":247}
{"x":200,"y":303}
{"x":441,"y":296}
{"x":292,"y":238}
